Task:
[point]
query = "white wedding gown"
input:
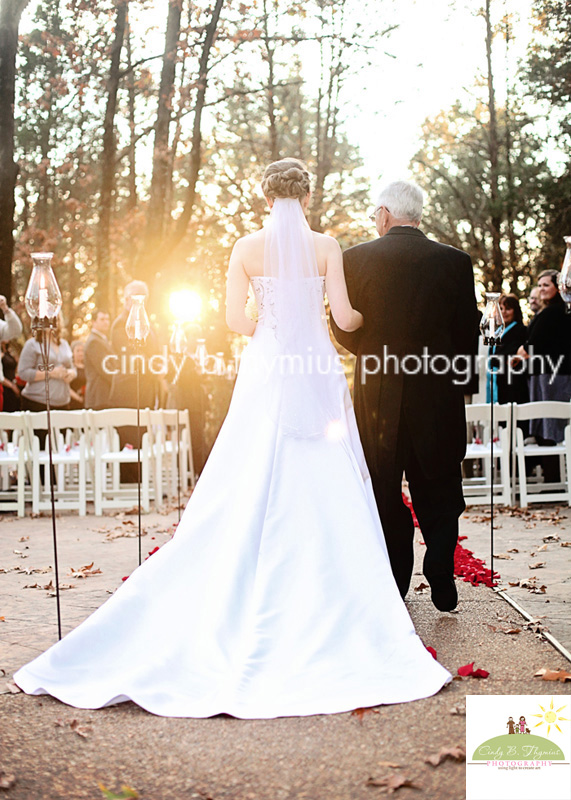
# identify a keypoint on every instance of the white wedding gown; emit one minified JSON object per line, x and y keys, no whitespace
{"x":275,"y":597}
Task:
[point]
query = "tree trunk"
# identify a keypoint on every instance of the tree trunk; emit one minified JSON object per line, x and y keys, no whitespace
{"x":106,"y":290}
{"x":10,"y":15}
{"x":496,"y":273}
{"x":132,"y":180}
{"x":195,"y":152}
{"x":270,"y":87}
{"x":510,"y":198}
{"x":157,"y":203}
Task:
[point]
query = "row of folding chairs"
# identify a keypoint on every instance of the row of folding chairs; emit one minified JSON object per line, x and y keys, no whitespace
{"x":87,"y":457}
{"x":513,"y":479}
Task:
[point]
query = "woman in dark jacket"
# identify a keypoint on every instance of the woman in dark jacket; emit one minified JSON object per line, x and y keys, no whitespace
{"x":510,"y":381}
{"x":549,"y":336}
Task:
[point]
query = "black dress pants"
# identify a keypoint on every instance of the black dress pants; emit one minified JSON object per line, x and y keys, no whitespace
{"x":438,"y":502}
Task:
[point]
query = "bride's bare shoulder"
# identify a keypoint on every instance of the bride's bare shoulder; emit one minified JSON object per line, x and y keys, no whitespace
{"x":325,"y":243}
{"x":251,"y":240}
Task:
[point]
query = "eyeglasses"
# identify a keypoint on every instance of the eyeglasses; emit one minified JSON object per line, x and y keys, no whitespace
{"x":373,"y":216}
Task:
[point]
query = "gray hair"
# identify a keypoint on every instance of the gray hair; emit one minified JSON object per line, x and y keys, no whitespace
{"x":403,"y":199}
{"x":136,"y":287}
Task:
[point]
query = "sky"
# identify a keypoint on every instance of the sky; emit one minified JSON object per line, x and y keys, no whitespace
{"x":434,"y":59}
{"x":439,"y":50}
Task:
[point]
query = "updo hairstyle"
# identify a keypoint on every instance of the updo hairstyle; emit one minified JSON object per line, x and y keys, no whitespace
{"x":288,"y":177}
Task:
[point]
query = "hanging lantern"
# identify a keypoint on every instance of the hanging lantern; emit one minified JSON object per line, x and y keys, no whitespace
{"x":564,"y":281}
{"x":137,"y":325}
{"x":43,"y":297}
{"x":492,"y":322}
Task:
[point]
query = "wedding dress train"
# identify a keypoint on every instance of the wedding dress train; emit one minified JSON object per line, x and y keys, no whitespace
{"x":275,"y":596}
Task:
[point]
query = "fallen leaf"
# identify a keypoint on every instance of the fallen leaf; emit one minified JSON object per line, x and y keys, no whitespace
{"x":84,"y":572}
{"x":505,"y":556}
{"x":513,"y":550}
{"x":388,"y":764}
{"x":392,"y":782}
{"x":23,"y":538}
{"x":537,"y":565}
{"x":553,"y":675}
{"x":6,"y":781}
{"x":458,"y":711}
{"x":543,"y":547}
{"x":551,"y":538}
{"x":421,"y":588}
{"x":457,"y":753}
{"x":360,"y":712}
{"x":565,"y":544}
{"x":126,"y":793}
{"x":2,"y":619}
{"x":81,"y":730}
{"x":12,"y":688}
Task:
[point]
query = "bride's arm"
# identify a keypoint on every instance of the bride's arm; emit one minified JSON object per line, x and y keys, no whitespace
{"x":237,"y":285}
{"x":343,"y":312}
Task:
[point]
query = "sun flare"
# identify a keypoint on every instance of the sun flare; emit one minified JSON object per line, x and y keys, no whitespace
{"x":185,"y":305}
{"x":550,"y":717}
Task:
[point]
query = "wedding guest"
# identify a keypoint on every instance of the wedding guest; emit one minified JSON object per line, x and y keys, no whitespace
{"x":60,"y":377}
{"x":549,"y":335}
{"x":509,"y":384}
{"x":189,"y":392}
{"x":10,"y":326}
{"x":34,"y":392}
{"x":9,"y":365}
{"x":535,"y":303}
{"x":97,"y":349}
{"x":77,"y":386}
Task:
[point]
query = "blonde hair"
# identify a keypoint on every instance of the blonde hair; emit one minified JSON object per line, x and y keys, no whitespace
{"x":288,"y":177}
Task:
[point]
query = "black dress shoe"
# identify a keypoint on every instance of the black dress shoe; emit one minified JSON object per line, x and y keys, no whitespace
{"x":444,"y":594}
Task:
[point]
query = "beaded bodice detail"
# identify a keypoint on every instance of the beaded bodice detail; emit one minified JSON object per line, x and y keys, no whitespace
{"x":265,"y":291}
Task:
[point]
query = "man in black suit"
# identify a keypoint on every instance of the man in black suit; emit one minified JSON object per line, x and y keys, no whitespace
{"x":97,"y":352}
{"x":413,"y":352}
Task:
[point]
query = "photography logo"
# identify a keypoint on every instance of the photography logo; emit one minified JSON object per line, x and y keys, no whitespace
{"x":518,"y":746}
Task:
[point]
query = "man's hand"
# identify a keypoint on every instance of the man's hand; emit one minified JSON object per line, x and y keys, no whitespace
{"x":3,"y":303}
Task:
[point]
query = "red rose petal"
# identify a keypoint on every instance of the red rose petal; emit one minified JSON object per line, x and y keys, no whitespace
{"x":480,"y":673}
{"x":466,"y":670}
{"x":431,"y":650}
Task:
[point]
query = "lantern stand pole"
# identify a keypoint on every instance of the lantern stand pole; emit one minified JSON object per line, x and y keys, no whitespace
{"x":137,"y":347}
{"x":45,"y":326}
{"x":491,"y":341}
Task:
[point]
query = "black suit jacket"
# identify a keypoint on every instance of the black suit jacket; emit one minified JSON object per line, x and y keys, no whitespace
{"x":98,"y":381}
{"x":417,"y":298}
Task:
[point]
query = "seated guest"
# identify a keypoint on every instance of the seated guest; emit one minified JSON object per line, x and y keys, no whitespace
{"x":509,"y":381}
{"x":535,"y":303}
{"x":549,"y":335}
{"x":97,"y":349}
{"x":10,"y":326}
{"x":77,"y":386}
{"x":9,"y":364}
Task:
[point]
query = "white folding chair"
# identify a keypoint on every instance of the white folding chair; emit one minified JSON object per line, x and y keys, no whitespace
{"x":534,"y":491}
{"x":13,"y":458}
{"x":69,"y":458}
{"x":160,"y":461}
{"x":186,"y":461}
{"x":109,"y":492}
{"x":478,"y":417}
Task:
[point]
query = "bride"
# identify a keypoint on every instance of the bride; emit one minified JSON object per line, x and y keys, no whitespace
{"x":275,"y":597}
